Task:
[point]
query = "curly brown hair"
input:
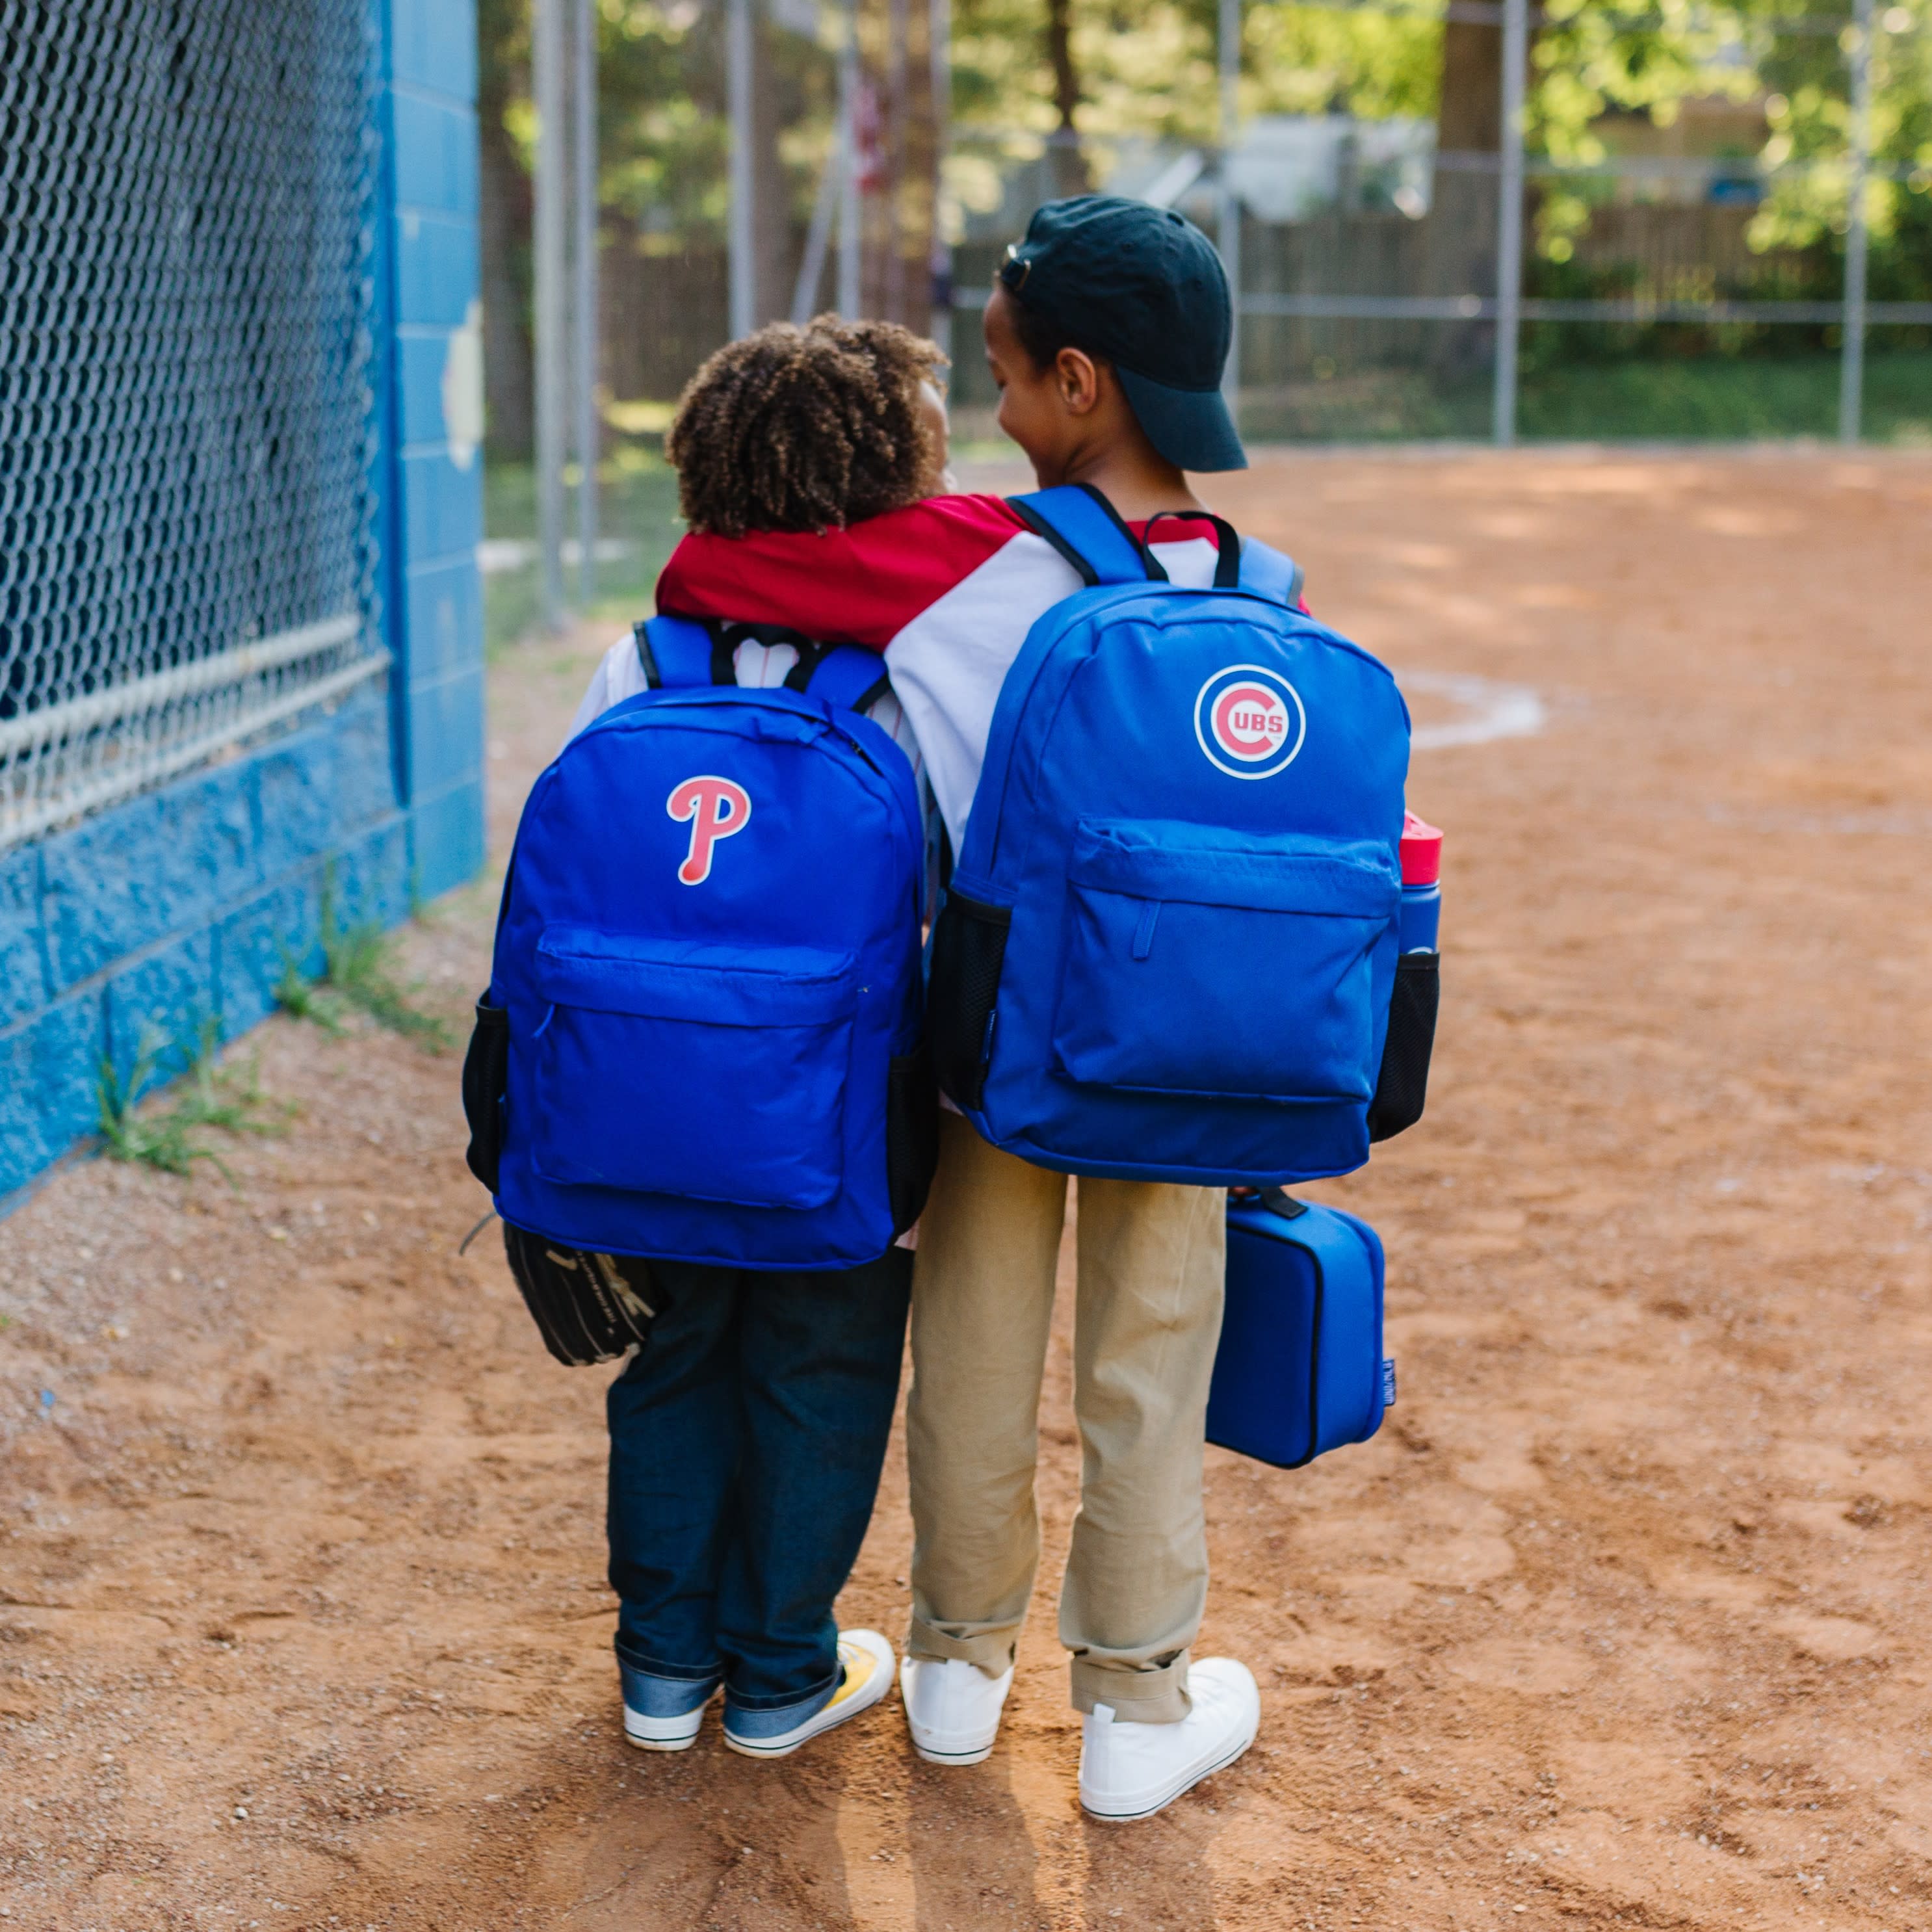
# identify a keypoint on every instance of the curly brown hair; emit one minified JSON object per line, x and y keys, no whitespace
{"x":804,"y":429}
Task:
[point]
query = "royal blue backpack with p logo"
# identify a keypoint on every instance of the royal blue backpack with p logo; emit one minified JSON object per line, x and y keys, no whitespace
{"x":702,"y":1039}
{"x":1168,"y":950}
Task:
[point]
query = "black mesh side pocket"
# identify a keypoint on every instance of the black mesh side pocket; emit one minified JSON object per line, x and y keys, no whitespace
{"x":912,"y":1134}
{"x":1403,"y":1083}
{"x":485,"y":1067}
{"x":587,"y":1307}
{"x":968,"y":944}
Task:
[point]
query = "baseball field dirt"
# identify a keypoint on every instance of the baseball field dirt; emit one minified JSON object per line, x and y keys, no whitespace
{"x":1624,"y":1619}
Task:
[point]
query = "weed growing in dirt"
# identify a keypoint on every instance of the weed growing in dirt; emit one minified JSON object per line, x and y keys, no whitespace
{"x":228,"y":1098}
{"x":359,"y":974}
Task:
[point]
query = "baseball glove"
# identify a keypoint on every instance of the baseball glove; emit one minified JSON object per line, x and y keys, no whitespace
{"x":588,"y":1307}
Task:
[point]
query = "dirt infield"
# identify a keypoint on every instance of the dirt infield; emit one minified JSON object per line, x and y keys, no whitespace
{"x":1623,"y":1619}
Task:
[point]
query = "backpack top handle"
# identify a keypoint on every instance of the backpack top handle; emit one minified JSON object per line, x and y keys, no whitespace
{"x":1227,"y":544}
{"x":678,"y":653}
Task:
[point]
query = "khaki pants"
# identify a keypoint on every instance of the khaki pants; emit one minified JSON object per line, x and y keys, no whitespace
{"x":1148,"y":1317}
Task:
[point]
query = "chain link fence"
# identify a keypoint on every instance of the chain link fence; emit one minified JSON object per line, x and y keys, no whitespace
{"x":1723,"y":268}
{"x":187,"y":536}
{"x":1611,"y":221}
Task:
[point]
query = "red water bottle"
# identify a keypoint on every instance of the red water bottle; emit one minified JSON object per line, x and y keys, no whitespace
{"x":1421,"y":884}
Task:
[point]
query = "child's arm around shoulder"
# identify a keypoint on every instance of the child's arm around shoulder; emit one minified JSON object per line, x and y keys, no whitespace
{"x":863,"y":584}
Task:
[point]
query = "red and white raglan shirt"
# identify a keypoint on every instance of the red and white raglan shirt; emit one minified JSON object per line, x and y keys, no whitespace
{"x":946,"y":589}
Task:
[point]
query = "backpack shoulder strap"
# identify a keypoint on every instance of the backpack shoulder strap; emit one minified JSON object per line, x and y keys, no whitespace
{"x":1086,"y":530}
{"x":846,"y":676}
{"x":675,"y":653}
{"x":1268,"y":574}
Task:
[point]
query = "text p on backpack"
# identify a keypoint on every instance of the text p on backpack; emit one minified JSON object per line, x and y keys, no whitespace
{"x":1170,"y":947}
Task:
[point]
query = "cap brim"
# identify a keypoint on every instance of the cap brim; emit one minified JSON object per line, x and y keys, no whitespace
{"x":1191,"y":427}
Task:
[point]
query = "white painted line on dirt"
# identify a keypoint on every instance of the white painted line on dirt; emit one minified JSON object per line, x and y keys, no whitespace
{"x":1496,"y":710}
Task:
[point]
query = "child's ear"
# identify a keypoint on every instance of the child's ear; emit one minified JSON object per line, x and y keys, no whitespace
{"x":1077,"y":381}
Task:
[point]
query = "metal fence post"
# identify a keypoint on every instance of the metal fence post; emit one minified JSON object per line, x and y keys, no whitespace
{"x":849,"y":212}
{"x":849,"y":209}
{"x":1509,"y":223}
{"x":738,"y":76}
{"x":1852,"y":360}
{"x":1228,"y":209}
{"x":584,"y":126}
{"x":551,"y":219}
{"x":939,"y":48}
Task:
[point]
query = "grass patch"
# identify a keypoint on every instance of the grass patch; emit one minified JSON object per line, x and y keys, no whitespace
{"x":1713,"y":398}
{"x":636,"y":492}
{"x":358,"y":975}
{"x":225,"y":1097}
{"x":1728,"y":399}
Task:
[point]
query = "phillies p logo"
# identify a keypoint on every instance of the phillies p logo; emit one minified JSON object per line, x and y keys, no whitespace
{"x":716,"y":808}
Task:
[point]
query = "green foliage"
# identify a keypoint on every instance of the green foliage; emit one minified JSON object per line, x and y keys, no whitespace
{"x":213,"y":1095}
{"x":1148,"y":67}
{"x":1729,"y":399}
{"x":1809,"y":114}
{"x":358,"y":975}
{"x":1593,"y":57}
{"x":637,"y":505}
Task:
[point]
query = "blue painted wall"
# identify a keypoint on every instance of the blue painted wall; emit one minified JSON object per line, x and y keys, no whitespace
{"x":432,"y":489}
{"x":153,"y":917}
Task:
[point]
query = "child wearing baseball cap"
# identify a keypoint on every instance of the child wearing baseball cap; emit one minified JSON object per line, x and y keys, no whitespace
{"x":1107,"y":332}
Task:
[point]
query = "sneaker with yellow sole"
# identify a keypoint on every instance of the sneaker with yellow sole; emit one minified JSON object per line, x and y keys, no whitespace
{"x":866,"y":1660}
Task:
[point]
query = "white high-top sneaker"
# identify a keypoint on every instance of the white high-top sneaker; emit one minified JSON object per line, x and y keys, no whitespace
{"x":952,"y":1707}
{"x":1132,"y":1771}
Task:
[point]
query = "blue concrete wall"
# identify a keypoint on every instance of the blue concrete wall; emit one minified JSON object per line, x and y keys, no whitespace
{"x":135,"y":928}
{"x":432,"y":490}
{"x":130,"y":932}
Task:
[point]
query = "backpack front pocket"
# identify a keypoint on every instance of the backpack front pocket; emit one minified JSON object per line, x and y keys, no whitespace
{"x":669,"y":1066}
{"x":1207,"y":961}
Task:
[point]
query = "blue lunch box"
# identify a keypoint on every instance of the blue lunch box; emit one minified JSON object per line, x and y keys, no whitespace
{"x":1300,"y":1368}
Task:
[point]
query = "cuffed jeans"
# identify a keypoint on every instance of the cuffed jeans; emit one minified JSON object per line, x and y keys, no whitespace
{"x":1147,"y":1318}
{"x":747,"y":1436}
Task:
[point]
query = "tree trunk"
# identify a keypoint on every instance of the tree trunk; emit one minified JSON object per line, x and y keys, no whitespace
{"x":1461,"y":251}
{"x":1069,"y":168}
{"x":509,"y":380}
{"x":773,"y":269}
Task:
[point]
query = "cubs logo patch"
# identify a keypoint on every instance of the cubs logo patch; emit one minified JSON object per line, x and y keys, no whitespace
{"x":716,"y":808}
{"x":1249,"y":722}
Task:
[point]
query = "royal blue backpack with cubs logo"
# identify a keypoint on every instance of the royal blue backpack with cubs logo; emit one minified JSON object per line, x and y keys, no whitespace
{"x":702,"y":1037}
{"x":1169,"y":949}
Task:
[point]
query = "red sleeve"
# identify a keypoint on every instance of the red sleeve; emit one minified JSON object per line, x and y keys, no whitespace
{"x":863,"y":584}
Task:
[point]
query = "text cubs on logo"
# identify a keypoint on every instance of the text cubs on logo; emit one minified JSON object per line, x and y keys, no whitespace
{"x":716,"y":808}
{"x":1249,"y":722}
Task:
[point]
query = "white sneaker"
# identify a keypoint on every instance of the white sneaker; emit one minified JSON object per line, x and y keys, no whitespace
{"x":867,"y":1676}
{"x":952,"y":1707}
{"x":673,"y":1713}
{"x":668,"y":1734}
{"x":1132,"y":1771}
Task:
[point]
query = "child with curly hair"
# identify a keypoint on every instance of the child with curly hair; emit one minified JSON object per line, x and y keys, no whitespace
{"x":748,"y":1429}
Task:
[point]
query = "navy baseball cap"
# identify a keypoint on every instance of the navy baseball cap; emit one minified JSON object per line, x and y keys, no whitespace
{"x":1143,"y":287}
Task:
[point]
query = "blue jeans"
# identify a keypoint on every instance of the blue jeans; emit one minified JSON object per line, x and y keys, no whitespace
{"x":746,"y":1439}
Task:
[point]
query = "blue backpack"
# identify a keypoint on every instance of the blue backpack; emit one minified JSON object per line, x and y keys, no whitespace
{"x":1168,"y":948}
{"x":702,"y":1040}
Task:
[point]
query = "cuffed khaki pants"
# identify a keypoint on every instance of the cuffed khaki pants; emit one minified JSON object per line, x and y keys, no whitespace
{"x":1148,"y":1317}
